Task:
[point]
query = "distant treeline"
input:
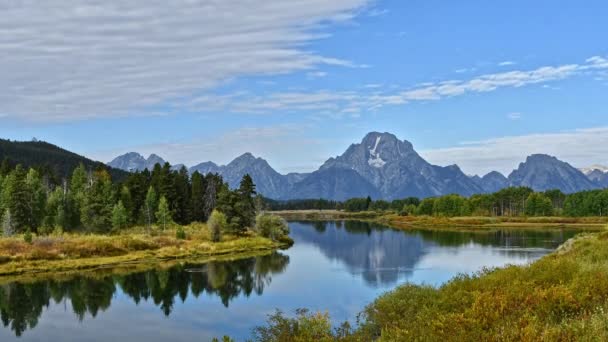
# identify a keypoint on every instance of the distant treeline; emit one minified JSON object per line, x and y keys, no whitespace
{"x":88,"y":200}
{"x":514,"y":201}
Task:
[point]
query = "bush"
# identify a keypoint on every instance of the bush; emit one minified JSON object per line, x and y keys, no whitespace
{"x":304,"y":327}
{"x":271,"y":226}
{"x":27,"y":237}
{"x":217,"y":223}
{"x":180,"y":233}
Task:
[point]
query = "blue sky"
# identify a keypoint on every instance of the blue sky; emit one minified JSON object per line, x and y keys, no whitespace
{"x":474,"y":83}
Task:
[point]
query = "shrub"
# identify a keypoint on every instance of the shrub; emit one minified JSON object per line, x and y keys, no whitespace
{"x":304,"y":327}
{"x":180,"y":233}
{"x":217,"y":223}
{"x":271,"y":226}
{"x":27,"y":237}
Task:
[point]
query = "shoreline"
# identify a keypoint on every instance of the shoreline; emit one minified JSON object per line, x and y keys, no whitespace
{"x":66,"y":253}
{"x":448,"y":223}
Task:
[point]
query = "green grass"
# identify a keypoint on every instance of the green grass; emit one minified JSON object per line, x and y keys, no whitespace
{"x":65,"y":252}
{"x":562,"y":297}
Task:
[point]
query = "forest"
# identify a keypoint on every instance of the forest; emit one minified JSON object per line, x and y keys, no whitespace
{"x":89,"y":201}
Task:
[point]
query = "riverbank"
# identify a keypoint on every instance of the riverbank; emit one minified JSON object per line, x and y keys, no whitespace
{"x":447,"y":223}
{"x":561,"y":297}
{"x":78,"y":252}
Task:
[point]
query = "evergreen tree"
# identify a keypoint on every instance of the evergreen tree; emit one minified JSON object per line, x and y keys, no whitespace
{"x":17,"y":199}
{"x":163,"y":214}
{"x":96,"y":211}
{"x":79,"y":184}
{"x":120,"y":217}
{"x":150,"y":207}
{"x":246,"y":203}
{"x":198,"y":197}
{"x":182,"y":196}
{"x":5,"y":167}
{"x":127,"y":202}
{"x":53,"y":218}
{"x":37,"y":199}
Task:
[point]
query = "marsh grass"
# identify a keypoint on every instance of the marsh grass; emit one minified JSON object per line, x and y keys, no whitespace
{"x":561,"y":297}
{"x":64,"y":251}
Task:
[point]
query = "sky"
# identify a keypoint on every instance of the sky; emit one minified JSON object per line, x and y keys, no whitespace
{"x":475,"y":83}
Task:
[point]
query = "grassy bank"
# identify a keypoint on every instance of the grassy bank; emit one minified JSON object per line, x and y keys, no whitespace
{"x":561,"y":297}
{"x":450,"y":223}
{"x":70,"y":252}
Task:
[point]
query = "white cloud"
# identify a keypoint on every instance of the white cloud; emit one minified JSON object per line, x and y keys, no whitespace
{"x":514,"y":116}
{"x":316,"y":74}
{"x":581,"y":147}
{"x":335,"y":102}
{"x":69,"y":59}
{"x":506,"y":63}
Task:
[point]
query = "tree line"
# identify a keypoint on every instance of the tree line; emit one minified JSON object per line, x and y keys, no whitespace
{"x":89,"y":201}
{"x":513,"y":201}
{"x":22,"y":304}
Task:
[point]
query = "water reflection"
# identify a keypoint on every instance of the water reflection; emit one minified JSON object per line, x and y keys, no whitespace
{"x":21,"y":304}
{"x":383,"y":256}
{"x":337,"y":267}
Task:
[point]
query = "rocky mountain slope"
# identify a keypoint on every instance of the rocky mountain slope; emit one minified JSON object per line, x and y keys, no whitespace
{"x":542,"y":172}
{"x":382,"y":166}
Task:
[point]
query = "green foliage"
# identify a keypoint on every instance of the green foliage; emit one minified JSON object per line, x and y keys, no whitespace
{"x":16,"y":198}
{"x":180,"y":233}
{"x":120,"y":218}
{"x":163,"y":214}
{"x":49,"y":160}
{"x":89,"y":201}
{"x":238,"y":206}
{"x":426,"y":207}
{"x":150,"y":207}
{"x":304,"y":327}
{"x":217,"y":224}
{"x":538,"y":204}
{"x":271,"y":226}
{"x":357,"y":204}
{"x":27,"y":237}
{"x":96,"y":209}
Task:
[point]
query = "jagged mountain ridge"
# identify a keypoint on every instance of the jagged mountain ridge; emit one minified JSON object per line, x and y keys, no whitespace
{"x":134,"y":161}
{"x":542,"y":172}
{"x":598,"y":174}
{"x":384,"y":167}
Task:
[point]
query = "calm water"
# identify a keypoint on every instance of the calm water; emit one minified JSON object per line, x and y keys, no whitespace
{"x":338,"y":267}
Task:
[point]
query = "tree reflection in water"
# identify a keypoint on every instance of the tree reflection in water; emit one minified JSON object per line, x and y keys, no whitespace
{"x":21,"y":304}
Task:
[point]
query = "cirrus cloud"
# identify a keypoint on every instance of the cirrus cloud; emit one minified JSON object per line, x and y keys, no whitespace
{"x":73,"y":59}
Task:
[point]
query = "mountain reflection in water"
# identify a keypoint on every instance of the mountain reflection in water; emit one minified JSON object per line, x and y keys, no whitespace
{"x":337,"y":267}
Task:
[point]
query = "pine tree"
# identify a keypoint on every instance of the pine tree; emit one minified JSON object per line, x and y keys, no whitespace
{"x":246,"y":204}
{"x":79,"y":184}
{"x":163,"y":214}
{"x":198,"y":197}
{"x":150,"y":206}
{"x":37,"y":199}
{"x":96,"y":212}
{"x":125,"y":197}
{"x":120,"y":218}
{"x":182,"y":196}
{"x":17,"y":199}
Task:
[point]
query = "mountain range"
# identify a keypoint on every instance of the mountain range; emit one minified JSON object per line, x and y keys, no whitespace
{"x":382,"y":166}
